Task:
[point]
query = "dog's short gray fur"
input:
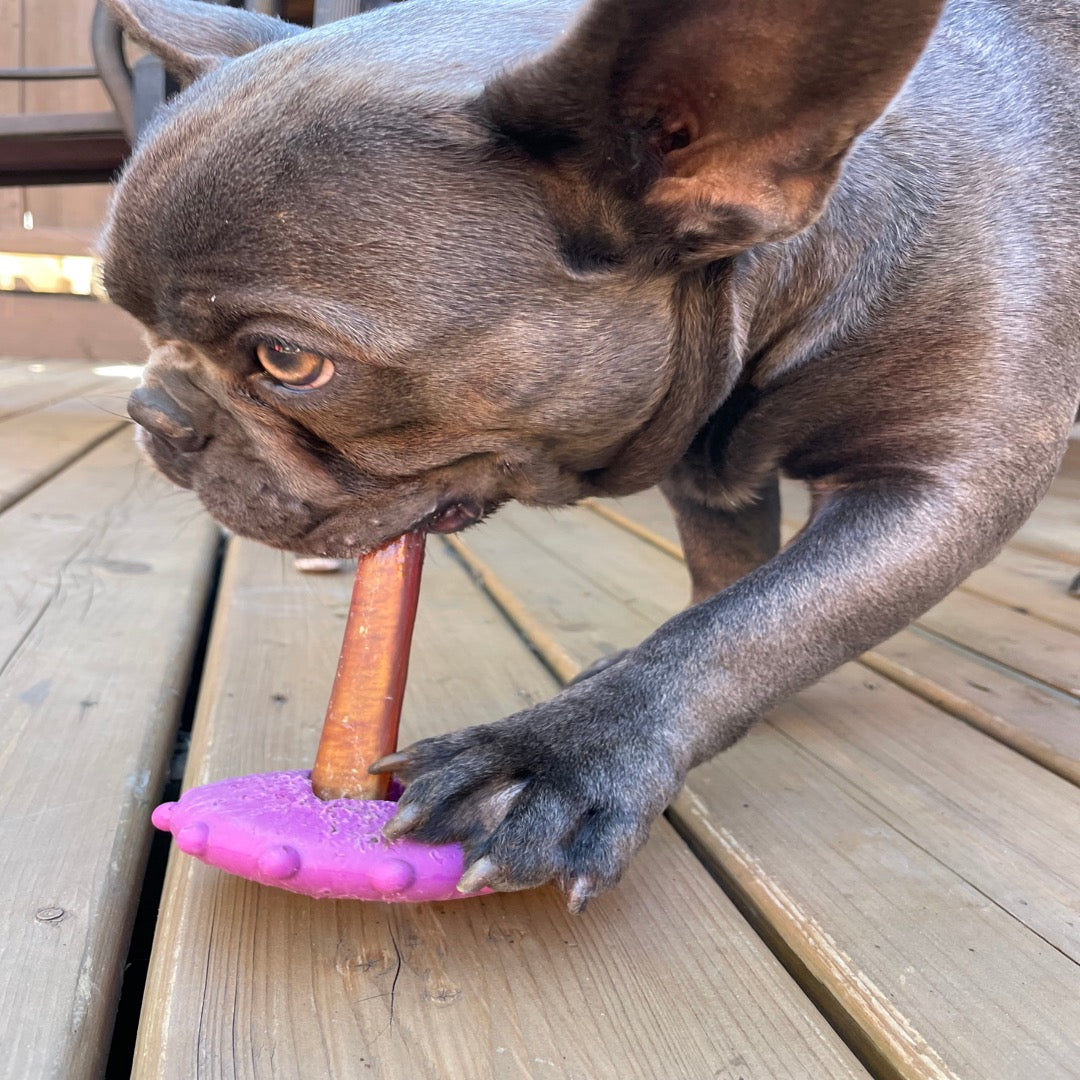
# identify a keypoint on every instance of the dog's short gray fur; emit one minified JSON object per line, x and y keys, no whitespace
{"x":560,"y":249}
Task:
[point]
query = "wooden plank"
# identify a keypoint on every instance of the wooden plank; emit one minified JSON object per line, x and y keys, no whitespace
{"x":919,"y":969}
{"x":1049,"y":538}
{"x":45,"y":388}
{"x":1040,"y":724}
{"x":898,"y":858}
{"x":1061,"y":507}
{"x":44,"y":326}
{"x":1031,"y":584}
{"x":650,"y":509}
{"x":1004,"y":824}
{"x":53,"y":125}
{"x":19,"y":372}
{"x":105,"y":573}
{"x":252,"y":982}
{"x":36,"y":446}
{"x":1008,"y":637}
{"x":616,"y":605}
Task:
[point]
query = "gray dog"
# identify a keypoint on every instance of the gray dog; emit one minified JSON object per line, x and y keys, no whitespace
{"x":404,"y":268}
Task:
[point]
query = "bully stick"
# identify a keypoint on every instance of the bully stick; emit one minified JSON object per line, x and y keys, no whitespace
{"x":362,"y":718}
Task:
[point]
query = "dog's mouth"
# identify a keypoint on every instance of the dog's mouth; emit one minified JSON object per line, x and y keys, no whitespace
{"x":343,"y":538}
{"x":454,"y":514}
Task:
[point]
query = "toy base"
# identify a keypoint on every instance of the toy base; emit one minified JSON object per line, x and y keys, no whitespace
{"x":272,"y":828}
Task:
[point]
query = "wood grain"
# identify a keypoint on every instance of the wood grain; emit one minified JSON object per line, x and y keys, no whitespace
{"x":105,"y":572}
{"x":35,"y":389}
{"x":37,"y":445}
{"x":1008,"y":637}
{"x":1032,"y":584}
{"x":659,"y":978}
{"x":1032,"y":719}
{"x":898,"y":858}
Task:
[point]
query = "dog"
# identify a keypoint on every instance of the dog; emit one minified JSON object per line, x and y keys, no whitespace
{"x":401,"y":269}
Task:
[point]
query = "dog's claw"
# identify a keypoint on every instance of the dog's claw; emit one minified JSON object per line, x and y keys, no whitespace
{"x":581,"y":892}
{"x":406,"y":819}
{"x":389,"y":763}
{"x":481,"y":873}
{"x":547,"y":795}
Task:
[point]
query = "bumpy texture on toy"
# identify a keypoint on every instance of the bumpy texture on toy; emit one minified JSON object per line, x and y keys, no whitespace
{"x":271,"y":828}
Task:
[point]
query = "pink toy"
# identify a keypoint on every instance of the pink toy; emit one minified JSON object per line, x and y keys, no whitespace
{"x":273,"y":829}
{"x":320,"y":833}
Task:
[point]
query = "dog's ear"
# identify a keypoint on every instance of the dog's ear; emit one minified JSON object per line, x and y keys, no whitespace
{"x":192,"y":37}
{"x":709,"y":125}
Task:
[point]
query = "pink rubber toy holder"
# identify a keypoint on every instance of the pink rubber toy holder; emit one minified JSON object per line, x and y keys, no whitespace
{"x":271,"y":828}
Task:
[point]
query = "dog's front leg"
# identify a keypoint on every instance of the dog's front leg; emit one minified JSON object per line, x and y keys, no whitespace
{"x":722,"y":545}
{"x":566,"y":791}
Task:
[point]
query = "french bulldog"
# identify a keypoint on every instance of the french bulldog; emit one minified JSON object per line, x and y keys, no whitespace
{"x":401,"y":269}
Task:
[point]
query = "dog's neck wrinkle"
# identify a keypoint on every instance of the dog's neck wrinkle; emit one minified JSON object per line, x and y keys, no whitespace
{"x":705,"y":361}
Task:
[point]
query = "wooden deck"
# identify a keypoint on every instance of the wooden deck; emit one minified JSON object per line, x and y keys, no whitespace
{"x":882,"y":879}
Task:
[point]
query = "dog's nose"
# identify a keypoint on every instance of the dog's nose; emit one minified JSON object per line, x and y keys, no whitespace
{"x":151,"y":407}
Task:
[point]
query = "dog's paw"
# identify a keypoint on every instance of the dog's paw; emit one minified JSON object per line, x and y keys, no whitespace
{"x":564,"y":792}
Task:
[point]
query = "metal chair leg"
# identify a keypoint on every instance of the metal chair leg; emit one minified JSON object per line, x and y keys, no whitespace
{"x":107,"y":45}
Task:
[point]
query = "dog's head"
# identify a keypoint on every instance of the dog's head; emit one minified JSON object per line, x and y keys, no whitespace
{"x":401,"y":269}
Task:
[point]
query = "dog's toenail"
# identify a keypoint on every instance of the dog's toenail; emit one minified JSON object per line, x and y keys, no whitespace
{"x":402,"y":822}
{"x":580,"y":894}
{"x":482,"y":872}
{"x":389,"y":763}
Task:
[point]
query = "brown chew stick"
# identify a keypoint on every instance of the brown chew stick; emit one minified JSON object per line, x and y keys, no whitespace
{"x":361,"y":723}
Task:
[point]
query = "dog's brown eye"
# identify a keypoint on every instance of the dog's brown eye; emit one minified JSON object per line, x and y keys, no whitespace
{"x":295,"y":368}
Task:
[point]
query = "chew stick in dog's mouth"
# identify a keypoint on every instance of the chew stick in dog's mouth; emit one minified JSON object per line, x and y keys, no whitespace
{"x":362,"y":718}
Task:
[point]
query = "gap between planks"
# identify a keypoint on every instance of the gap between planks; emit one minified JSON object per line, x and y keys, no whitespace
{"x":997,"y":727}
{"x":18,"y":490}
{"x":48,"y":436}
{"x":44,"y":389}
